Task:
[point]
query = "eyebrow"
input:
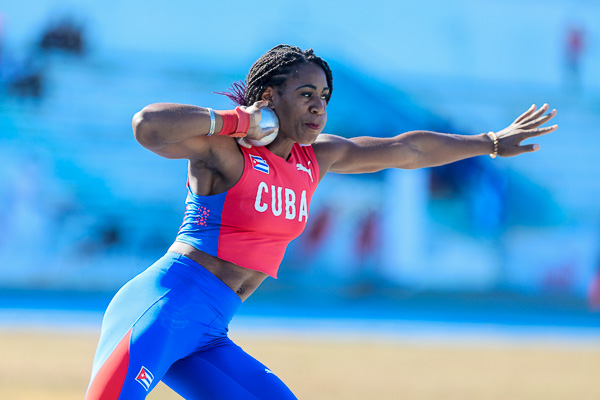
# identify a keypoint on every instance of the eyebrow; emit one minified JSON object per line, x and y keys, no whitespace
{"x":311,"y":87}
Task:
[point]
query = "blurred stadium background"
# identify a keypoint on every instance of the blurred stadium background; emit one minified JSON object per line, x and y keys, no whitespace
{"x":505,"y":248}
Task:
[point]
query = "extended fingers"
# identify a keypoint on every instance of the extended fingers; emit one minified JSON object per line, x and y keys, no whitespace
{"x":540,"y":111}
{"x":526,"y":113}
{"x":526,"y":126}
{"x":532,"y":114}
{"x":541,"y":131}
{"x":518,"y":148}
{"x":535,"y":115}
{"x":534,"y":123}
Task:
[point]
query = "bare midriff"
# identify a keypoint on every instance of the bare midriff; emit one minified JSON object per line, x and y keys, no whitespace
{"x":242,"y":281}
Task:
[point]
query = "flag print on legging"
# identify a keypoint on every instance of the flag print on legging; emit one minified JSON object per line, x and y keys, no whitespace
{"x":145,"y":378}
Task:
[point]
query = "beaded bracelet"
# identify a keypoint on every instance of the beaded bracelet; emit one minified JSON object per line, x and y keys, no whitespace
{"x":494,"y":138}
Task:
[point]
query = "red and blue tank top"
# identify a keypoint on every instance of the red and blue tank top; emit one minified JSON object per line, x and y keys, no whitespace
{"x":252,"y":223}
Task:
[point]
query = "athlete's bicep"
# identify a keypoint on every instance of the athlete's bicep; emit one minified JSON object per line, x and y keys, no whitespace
{"x":166,"y":140}
{"x":362,"y":154}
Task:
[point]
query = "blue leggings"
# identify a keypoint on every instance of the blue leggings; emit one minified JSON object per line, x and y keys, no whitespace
{"x":170,"y":323}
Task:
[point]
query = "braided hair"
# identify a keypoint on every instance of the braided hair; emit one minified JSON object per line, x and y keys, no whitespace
{"x":272,"y":69}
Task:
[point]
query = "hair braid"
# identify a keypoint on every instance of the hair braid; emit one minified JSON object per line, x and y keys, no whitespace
{"x":272,"y":69}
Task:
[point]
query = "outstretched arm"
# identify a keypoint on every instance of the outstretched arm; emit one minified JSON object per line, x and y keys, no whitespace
{"x":419,"y":149}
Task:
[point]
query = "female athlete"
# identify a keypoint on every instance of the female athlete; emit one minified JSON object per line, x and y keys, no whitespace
{"x":244,"y":205}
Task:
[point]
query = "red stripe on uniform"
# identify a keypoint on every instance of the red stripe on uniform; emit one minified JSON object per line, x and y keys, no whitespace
{"x":108,"y":382}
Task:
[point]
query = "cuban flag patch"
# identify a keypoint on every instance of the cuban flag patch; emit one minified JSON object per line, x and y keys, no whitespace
{"x":145,"y":378}
{"x":259,"y":164}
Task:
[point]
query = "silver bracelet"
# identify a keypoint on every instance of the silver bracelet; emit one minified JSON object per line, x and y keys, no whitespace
{"x":212,"y":121}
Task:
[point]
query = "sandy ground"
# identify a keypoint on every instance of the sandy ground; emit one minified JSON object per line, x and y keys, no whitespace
{"x":36,"y":365}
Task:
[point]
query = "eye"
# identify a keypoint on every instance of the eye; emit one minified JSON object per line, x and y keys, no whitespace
{"x":307,"y":94}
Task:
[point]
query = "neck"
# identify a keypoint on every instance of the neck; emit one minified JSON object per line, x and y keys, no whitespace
{"x":281,"y":147}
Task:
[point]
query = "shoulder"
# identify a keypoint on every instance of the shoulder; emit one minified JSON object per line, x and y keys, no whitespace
{"x":329,"y":149}
{"x":326,"y":139}
{"x":327,"y":145}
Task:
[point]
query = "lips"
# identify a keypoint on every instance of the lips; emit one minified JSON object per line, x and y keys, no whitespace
{"x":314,"y":126}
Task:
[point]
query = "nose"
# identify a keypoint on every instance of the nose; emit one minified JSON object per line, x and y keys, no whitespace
{"x":319,"y":106}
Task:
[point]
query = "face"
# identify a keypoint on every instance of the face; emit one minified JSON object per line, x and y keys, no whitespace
{"x":301,"y":104}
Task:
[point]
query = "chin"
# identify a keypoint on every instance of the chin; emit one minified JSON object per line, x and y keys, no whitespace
{"x":308,"y":136}
{"x":307,"y":139}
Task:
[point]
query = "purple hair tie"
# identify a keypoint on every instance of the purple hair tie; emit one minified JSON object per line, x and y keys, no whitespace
{"x":236,"y":93}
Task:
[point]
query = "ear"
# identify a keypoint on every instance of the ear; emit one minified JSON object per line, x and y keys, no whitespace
{"x":268,"y":95}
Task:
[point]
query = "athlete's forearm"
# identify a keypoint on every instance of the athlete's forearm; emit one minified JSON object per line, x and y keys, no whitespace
{"x":410,"y":150}
{"x":433,"y":149}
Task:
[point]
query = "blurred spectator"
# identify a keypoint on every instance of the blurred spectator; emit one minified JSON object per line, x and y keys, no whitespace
{"x":63,"y":35}
{"x":317,"y":230}
{"x":574,"y":48}
{"x":21,"y":76}
{"x":479,"y":187}
{"x":106,"y":237}
{"x":367,"y":236}
{"x":26,"y":80}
